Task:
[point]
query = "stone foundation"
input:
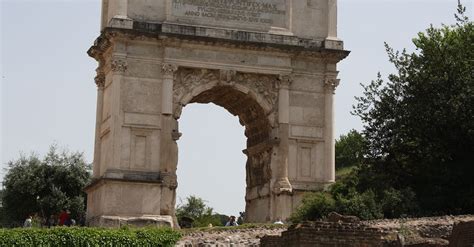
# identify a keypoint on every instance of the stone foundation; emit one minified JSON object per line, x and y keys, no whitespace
{"x":142,"y":221}
{"x":332,"y":234}
{"x":419,"y":232}
{"x":463,"y":234}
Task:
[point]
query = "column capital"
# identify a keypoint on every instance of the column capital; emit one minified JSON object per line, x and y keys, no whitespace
{"x":169,"y":69}
{"x":100,"y":81}
{"x":119,"y":65}
{"x":330,"y":84}
{"x":284,"y":81}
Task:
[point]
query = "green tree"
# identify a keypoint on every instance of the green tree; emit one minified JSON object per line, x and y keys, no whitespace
{"x":45,"y":186}
{"x":419,"y":124}
{"x":196,"y":209}
{"x":349,"y":150}
{"x":418,"y":146}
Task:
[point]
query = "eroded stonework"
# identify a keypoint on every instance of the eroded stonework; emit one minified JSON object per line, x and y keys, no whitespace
{"x":273,"y":69}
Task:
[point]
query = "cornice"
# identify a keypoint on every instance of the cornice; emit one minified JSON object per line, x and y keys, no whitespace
{"x":173,"y":34}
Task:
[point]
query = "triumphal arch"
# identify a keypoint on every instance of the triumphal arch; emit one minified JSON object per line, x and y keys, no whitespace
{"x":272,"y":63}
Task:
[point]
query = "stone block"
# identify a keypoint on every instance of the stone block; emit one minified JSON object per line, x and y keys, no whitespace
{"x":121,"y":22}
{"x":141,"y":96}
{"x":319,"y":234}
{"x":314,"y":19}
{"x":138,"y":119}
{"x":141,"y":221}
{"x":462,"y":234}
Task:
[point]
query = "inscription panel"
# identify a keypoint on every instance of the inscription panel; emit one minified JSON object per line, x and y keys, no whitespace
{"x":259,"y":15}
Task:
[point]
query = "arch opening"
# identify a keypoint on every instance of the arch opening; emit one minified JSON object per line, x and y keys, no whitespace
{"x":209,"y":164}
{"x":255,"y":116}
{"x":251,"y":115}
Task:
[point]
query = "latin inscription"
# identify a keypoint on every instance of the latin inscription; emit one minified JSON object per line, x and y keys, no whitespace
{"x":259,"y":12}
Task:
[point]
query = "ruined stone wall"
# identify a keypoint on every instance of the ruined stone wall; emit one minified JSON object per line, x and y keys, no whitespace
{"x":414,"y":232}
{"x":420,"y":232}
{"x":332,"y":234}
{"x":462,"y":235}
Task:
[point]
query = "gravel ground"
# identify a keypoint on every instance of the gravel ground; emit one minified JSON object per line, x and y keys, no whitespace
{"x":224,"y":238}
{"x":413,"y":230}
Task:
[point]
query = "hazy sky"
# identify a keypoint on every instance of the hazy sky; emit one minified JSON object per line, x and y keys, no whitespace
{"x":48,"y":93}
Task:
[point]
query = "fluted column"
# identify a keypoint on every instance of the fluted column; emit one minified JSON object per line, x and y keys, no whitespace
{"x":100,"y":82}
{"x":169,"y":136}
{"x":167,"y":89}
{"x":283,"y":184}
{"x":119,"y":67}
{"x":330,"y":87}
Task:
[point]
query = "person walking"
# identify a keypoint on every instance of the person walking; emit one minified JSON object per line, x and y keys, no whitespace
{"x":28,"y":222}
{"x":63,"y":217}
{"x":231,"y":221}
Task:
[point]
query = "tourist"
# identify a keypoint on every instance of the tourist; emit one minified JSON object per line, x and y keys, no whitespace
{"x":28,"y":222}
{"x":69,"y":220}
{"x":51,"y":221}
{"x":231,"y":221}
{"x":63,"y":217}
{"x":278,"y":222}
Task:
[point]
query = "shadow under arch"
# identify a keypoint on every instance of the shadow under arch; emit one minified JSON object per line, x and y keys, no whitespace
{"x":251,"y":97}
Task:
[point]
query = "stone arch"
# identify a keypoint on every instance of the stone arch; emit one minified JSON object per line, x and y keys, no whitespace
{"x":284,"y":98}
{"x":251,"y":97}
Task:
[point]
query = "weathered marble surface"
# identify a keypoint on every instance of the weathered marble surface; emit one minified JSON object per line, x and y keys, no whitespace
{"x":278,"y":74}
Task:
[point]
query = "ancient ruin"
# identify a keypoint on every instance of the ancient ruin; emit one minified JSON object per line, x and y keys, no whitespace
{"x":272,"y":63}
{"x":452,"y":231}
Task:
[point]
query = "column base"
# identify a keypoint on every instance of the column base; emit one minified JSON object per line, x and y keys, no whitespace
{"x":140,"y":221}
{"x":283,"y":185}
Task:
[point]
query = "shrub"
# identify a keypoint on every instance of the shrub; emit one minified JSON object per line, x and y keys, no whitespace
{"x":195,"y":208}
{"x":88,"y":237}
{"x":314,"y":206}
{"x":399,"y":203}
{"x":363,"y":205}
